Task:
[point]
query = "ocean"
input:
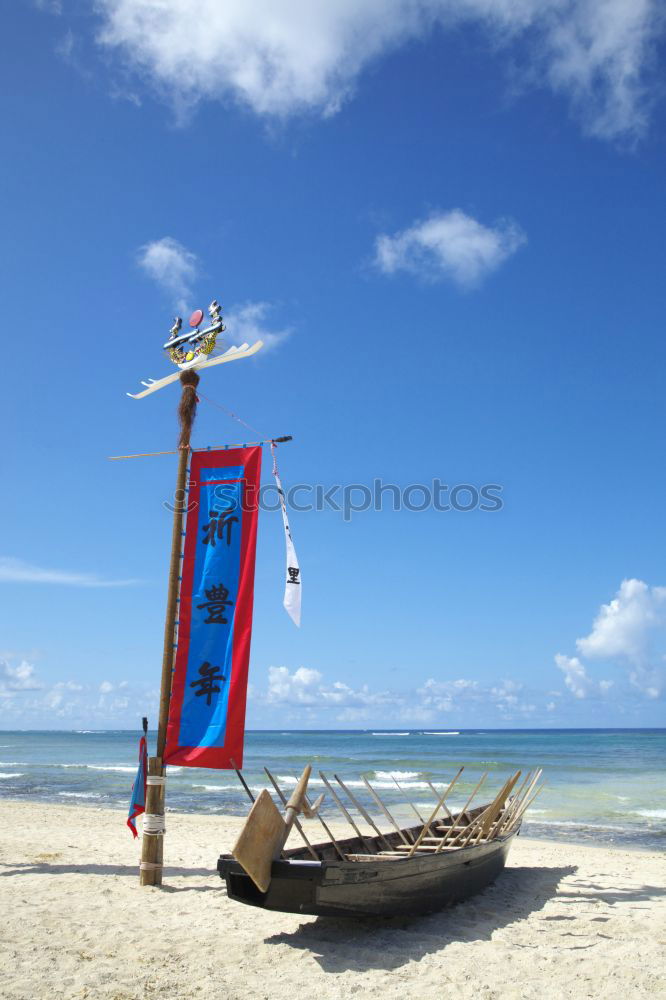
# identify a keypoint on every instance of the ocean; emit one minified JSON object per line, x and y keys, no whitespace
{"x":603,"y":786}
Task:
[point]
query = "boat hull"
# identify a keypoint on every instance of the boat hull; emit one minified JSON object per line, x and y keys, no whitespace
{"x":421,"y":884}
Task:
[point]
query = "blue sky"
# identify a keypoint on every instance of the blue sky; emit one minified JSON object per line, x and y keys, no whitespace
{"x":446,"y":220}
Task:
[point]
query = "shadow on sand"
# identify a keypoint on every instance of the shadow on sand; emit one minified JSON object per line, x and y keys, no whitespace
{"x":340,"y":945}
{"x":46,"y":868}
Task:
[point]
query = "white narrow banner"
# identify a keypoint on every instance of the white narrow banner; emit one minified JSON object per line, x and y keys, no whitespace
{"x":292,"y":587}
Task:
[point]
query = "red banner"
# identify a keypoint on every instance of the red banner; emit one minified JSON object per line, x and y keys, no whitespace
{"x":207,"y":712}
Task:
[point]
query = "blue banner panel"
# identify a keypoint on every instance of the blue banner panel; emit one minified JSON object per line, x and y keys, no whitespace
{"x":207,"y":712}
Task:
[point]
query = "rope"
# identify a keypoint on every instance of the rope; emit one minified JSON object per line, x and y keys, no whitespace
{"x":230,"y":413}
{"x":153,"y":825}
{"x":154,"y":779}
{"x":244,"y":444}
{"x":150,"y":866}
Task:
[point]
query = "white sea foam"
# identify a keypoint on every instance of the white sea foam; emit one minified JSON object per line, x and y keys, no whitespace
{"x":390,"y":734}
{"x":385,"y":781}
{"x":122,"y":768}
{"x":580,"y":825}
{"x":14,"y":763}
{"x":80,"y":795}
{"x":223,"y":788}
{"x":652,"y":813}
{"x":453,"y":732}
{"x":10,"y":774}
{"x":398,"y":775}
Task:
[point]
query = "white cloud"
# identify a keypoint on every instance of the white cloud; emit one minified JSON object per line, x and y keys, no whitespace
{"x":577,"y":679}
{"x":508,"y":698}
{"x":172,"y":266}
{"x":306,"y":687}
{"x":26,"y":702}
{"x":298,"y":56}
{"x":19,"y":678}
{"x":462,"y":696}
{"x":245,"y":324}
{"x":449,"y":245}
{"x":19,"y":571}
{"x":444,"y":696}
{"x":623,"y":630}
{"x":623,"y":625}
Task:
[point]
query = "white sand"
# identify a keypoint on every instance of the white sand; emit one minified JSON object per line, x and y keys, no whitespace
{"x":562,"y":921}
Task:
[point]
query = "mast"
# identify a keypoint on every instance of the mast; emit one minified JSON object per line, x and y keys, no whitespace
{"x":190,"y":352}
{"x":152,"y":844}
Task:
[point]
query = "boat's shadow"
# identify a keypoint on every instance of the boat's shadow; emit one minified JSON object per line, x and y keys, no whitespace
{"x":387,"y":943}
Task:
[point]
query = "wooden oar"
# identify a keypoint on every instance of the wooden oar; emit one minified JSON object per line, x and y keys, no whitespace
{"x":242,"y":780}
{"x":426,"y":828}
{"x":437,"y":794}
{"x":384,"y":810}
{"x":516,"y":819}
{"x":506,"y":818}
{"x":409,"y":803}
{"x":492,"y":812}
{"x":265,"y":833}
{"x":366,"y":816}
{"x":298,"y":826}
{"x":344,"y":812}
{"x":450,"y":833}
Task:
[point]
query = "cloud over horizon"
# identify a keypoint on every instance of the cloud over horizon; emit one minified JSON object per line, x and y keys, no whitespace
{"x":296,"y":56}
{"x":305,"y":694}
{"x":18,"y":571}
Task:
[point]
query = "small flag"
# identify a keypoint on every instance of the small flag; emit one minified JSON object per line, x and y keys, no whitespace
{"x":292,"y":587}
{"x":138,"y":800}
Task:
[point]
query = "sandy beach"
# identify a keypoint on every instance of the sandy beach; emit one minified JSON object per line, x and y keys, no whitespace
{"x":562,"y":921}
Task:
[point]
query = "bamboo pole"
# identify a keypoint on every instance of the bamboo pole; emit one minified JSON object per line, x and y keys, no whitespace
{"x":487,"y":819}
{"x":513,"y":806}
{"x":242,"y":780}
{"x":366,"y":816}
{"x":437,"y":794}
{"x":343,"y":810}
{"x":523,"y":809}
{"x":245,"y":444}
{"x":426,"y":829}
{"x":451,"y":831}
{"x":384,"y":810}
{"x":283,"y":799}
{"x":409,"y":803}
{"x":152,"y":853}
{"x":328,"y":832}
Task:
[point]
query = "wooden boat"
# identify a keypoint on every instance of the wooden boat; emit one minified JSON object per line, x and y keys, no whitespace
{"x":369,"y":886}
{"x":409,"y":870}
